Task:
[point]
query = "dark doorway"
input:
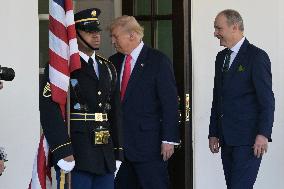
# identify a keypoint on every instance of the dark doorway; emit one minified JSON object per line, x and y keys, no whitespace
{"x":167,"y":28}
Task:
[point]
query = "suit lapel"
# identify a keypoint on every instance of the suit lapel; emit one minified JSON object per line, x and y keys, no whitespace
{"x":236,"y":63}
{"x":117,"y":62}
{"x":118,"y":66}
{"x":136,"y":72}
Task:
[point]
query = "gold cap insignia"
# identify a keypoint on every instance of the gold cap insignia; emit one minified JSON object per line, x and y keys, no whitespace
{"x":94,"y":13}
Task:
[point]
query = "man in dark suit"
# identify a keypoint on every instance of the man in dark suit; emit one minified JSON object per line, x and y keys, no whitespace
{"x":149,"y":107}
{"x":242,"y":111}
{"x":94,"y":114}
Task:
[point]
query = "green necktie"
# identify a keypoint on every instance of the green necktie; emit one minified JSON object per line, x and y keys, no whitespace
{"x":226,"y":64}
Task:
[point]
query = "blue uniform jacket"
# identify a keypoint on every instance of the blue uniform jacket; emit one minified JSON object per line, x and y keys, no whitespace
{"x":95,"y":93}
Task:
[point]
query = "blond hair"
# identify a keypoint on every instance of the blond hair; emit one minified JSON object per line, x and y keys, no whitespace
{"x":129,"y":24}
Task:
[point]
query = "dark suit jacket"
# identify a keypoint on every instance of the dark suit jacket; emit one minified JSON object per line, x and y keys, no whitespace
{"x":243,"y":104}
{"x":92,"y":92}
{"x":150,"y":105}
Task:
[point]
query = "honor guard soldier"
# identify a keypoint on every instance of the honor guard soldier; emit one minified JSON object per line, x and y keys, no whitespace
{"x":91,"y":150}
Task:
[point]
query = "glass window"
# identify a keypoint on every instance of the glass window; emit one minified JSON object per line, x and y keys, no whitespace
{"x":142,"y":7}
{"x":157,"y":23}
{"x":43,"y":43}
{"x":164,"y":7}
{"x":147,"y":32}
{"x":164,"y":37}
{"x":43,"y":6}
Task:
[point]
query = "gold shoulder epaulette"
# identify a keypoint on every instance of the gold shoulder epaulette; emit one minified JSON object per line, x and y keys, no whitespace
{"x":106,"y":60}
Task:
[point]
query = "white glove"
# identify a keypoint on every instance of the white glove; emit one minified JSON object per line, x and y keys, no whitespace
{"x":117,"y":163}
{"x":66,"y":166}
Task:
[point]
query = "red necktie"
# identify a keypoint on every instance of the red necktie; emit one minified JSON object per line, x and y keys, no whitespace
{"x":125,"y":76}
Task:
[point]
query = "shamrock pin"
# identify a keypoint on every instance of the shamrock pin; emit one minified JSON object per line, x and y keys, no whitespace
{"x":241,"y":68}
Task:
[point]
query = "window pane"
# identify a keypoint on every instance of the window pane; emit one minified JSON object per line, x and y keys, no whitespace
{"x":43,"y":43}
{"x":147,"y":32}
{"x":142,"y":7}
{"x":164,"y":7}
{"x":164,"y":37}
{"x":43,"y":6}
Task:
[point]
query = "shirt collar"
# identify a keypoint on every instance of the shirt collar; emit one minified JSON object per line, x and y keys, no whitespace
{"x":86,"y":57}
{"x":135,"y":53}
{"x":237,"y":47}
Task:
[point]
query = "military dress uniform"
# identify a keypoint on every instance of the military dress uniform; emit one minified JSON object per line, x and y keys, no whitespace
{"x":95,"y":137}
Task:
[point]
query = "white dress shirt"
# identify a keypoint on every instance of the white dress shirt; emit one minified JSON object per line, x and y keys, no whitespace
{"x":235,"y":50}
{"x":95,"y":64}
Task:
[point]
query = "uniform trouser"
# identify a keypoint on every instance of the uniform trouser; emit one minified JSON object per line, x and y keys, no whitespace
{"x":240,"y":166}
{"x":86,"y":180}
{"x":142,"y":175}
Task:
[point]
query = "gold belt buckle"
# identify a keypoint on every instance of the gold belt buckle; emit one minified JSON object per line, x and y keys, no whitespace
{"x":100,"y":117}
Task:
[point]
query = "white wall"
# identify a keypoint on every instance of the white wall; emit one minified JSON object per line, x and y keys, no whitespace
{"x":19,"y":113}
{"x":264,"y":27}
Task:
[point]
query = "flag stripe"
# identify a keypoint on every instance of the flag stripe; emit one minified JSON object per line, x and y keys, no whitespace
{"x":58,"y":29}
{"x":61,"y":94}
{"x":58,"y":63}
{"x":58,"y":46}
{"x":41,"y":164}
{"x":71,"y":32}
{"x":70,"y":18}
{"x":58,"y":79}
{"x":41,"y":175}
{"x":73,"y":46}
{"x":74,"y":58}
{"x":57,"y":11}
{"x":68,"y":5}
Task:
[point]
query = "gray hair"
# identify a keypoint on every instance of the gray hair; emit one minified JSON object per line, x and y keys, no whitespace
{"x":233,"y":17}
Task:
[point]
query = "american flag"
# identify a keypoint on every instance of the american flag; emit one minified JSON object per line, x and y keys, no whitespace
{"x":41,"y":175}
{"x":63,"y":49}
{"x":63,"y":59}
